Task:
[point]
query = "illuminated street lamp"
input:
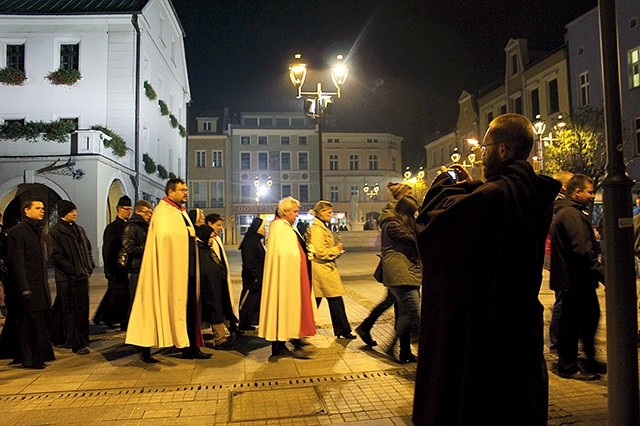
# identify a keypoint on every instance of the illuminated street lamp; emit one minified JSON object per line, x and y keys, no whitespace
{"x":317,"y":103}
{"x":262,"y":191}
{"x":417,"y":183}
{"x":539,"y":126}
{"x":371,"y":192}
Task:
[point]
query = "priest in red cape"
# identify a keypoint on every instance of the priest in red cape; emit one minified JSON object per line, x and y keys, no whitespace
{"x":287,"y":308}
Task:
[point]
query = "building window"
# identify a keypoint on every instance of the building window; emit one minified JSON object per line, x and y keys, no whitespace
{"x":297,"y":122}
{"x":304,"y":193}
{"x":198,"y":193}
{"x":373,"y":162}
{"x":333,"y":193}
{"x":638,"y":135}
{"x":554,"y":100}
{"x":245,"y":161}
{"x":206,"y":126}
{"x":201,"y":158}
{"x":245,"y":193}
{"x":514,"y":64}
{"x":216,"y":191}
{"x":503,"y":109}
{"x":333,"y":162}
{"x":285,"y":161}
{"x":69,"y":56}
{"x":302,"y":140}
{"x":535,"y":103}
{"x":583,"y":80}
{"x":489,"y":117}
{"x":634,"y":68}
{"x":354,"y":191}
{"x":15,"y":56}
{"x":285,"y":191}
{"x":216,"y":158}
{"x":282,"y":122}
{"x":263,"y":161}
{"x":266,"y":122}
{"x":517,"y":105}
{"x":353,"y":162}
{"x":303,"y":161}
{"x":262,"y":140}
{"x":245,"y":140}
{"x":285,"y":140}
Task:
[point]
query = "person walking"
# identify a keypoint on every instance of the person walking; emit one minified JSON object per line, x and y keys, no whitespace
{"x":397,"y":191}
{"x":134,"y":238}
{"x":402,"y":272}
{"x":253,"y":255}
{"x":70,"y":255}
{"x":482,"y":250}
{"x":114,"y":306}
{"x":286,"y":308}
{"x":574,"y":275}
{"x":326,"y":277}
{"x":165,"y":306}
{"x":29,"y":297}
{"x":215,"y":292}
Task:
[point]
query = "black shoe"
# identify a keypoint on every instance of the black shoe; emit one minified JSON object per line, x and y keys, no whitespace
{"x":579,"y":375}
{"x":195,"y":354}
{"x":299,"y":343}
{"x":227,"y":345}
{"x":365,"y":335}
{"x":347,"y":336}
{"x":592,"y":366}
{"x":35,"y":367}
{"x":301,"y":353}
{"x":407,"y":358}
{"x":148,"y":359}
{"x":247,"y":328}
{"x":83,"y":351}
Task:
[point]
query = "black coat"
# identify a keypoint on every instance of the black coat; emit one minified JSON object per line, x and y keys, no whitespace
{"x":134,"y":238}
{"x":574,"y":249}
{"x":111,"y":245}
{"x":70,"y":252}
{"x":252,"y":260}
{"x":27,"y":268}
{"x":482,"y":250}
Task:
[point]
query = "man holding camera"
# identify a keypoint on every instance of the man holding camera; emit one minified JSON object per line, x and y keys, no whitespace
{"x":482,"y":251}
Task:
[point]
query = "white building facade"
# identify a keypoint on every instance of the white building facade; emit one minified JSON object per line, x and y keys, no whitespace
{"x":125,"y":52}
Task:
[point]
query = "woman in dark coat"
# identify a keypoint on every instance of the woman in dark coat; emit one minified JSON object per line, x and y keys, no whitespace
{"x":215,"y":296}
{"x":252,"y":265}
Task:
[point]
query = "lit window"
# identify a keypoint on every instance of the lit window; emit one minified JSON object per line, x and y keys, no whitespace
{"x":634,"y":68}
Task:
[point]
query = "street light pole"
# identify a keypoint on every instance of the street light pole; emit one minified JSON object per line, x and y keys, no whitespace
{"x":371,"y":192}
{"x":316,"y":103}
{"x":539,"y":126}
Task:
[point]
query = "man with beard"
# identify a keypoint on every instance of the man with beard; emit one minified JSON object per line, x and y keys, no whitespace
{"x":165,"y":306}
{"x":114,"y":306}
{"x":29,"y":298}
{"x":482,"y":250}
{"x":71,"y":257}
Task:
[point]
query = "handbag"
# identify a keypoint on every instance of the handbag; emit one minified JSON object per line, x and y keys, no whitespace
{"x":377,"y":274}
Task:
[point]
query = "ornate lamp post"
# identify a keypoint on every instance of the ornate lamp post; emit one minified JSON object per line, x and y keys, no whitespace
{"x":416,"y":182}
{"x":539,"y":126}
{"x":317,"y":102}
{"x":371,"y":192}
{"x":262,"y":191}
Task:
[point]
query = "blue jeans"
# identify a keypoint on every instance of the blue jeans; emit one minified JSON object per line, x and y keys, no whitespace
{"x":408,"y":299}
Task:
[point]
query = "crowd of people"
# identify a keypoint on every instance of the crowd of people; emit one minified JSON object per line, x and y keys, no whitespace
{"x":463,"y":270}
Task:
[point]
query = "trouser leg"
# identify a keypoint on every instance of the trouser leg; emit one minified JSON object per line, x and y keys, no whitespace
{"x":568,"y":334}
{"x":375,"y":313}
{"x":341,"y":326}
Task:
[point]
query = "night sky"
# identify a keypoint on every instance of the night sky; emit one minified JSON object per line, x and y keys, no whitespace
{"x":409,"y":60}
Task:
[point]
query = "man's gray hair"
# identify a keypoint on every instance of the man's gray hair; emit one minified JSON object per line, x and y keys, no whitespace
{"x":287,"y":203}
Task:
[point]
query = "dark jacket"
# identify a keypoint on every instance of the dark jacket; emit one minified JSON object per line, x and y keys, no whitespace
{"x":134,"y":237}
{"x":482,"y":249}
{"x":111,"y":245}
{"x":27,"y":268}
{"x":574,"y":252}
{"x":70,"y":252}
{"x":252,"y":257}
{"x":400,"y":260}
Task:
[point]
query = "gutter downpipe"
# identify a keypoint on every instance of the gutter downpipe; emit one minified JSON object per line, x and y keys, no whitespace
{"x":136,"y":150}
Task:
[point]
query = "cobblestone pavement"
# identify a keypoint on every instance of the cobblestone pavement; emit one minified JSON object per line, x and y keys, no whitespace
{"x":344,"y":382}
